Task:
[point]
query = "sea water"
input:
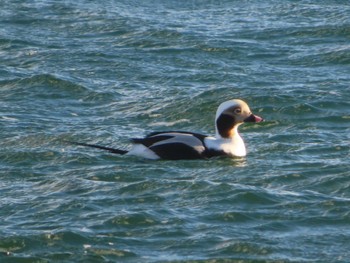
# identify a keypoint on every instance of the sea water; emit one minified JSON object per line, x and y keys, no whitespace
{"x":105,"y":71}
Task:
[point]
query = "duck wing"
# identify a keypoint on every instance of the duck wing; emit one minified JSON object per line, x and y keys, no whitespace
{"x":175,"y":145}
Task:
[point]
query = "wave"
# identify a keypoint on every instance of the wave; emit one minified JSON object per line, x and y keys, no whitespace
{"x":50,"y":87}
{"x":41,"y":86}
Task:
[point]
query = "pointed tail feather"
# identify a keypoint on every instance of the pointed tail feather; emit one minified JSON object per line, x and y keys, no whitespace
{"x":112,"y":150}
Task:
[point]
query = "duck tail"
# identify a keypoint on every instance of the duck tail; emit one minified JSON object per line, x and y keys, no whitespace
{"x":112,"y":150}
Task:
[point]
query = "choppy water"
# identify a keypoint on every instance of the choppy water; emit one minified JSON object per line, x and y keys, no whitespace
{"x":105,"y":71}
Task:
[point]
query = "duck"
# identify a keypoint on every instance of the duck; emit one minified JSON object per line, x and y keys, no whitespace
{"x":182,"y":145}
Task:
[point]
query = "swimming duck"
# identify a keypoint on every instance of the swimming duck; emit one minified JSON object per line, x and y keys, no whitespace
{"x":177,"y":145}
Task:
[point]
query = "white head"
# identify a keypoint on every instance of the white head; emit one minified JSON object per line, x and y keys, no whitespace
{"x":230,"y":115}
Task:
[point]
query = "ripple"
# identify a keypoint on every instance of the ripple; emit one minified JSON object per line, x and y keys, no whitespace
{"x":41,"y":86}
{"x":140,"y":219}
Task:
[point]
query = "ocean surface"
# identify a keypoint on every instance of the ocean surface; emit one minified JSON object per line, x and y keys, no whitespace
{"x":105,"y":71}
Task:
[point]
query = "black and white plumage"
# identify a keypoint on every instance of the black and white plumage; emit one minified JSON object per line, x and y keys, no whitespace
{"x":176,"y":145}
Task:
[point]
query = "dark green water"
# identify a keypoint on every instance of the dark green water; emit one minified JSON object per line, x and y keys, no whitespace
{"x":105,"y":71}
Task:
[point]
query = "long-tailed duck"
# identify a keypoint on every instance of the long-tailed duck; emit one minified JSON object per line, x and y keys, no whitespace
{"x":176,"y":145}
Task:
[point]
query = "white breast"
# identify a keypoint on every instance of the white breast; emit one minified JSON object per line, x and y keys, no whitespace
{"x":233,"y":146}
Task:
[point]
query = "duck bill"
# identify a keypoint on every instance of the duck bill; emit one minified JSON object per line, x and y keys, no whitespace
{"x":253,"y":118}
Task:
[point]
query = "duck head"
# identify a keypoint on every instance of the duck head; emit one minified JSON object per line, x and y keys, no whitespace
{"x":230,"y":115}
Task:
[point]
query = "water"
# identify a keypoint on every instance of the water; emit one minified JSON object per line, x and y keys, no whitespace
{"x":102,"y":72}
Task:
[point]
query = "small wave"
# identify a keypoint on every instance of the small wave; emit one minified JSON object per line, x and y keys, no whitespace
{"x":168,"y":123}
{"x":339,"y":55}
{"x":42,"y":86}
{"x":108,"y":252}
{"x":47,"y":86}
{"x":5,"y":118}
{"x":134,"y":219}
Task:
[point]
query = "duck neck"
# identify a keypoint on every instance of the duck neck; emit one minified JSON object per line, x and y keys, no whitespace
{"x":233,"y":145}
{"x":229,"y":134}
